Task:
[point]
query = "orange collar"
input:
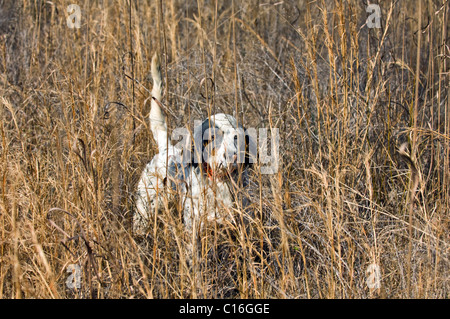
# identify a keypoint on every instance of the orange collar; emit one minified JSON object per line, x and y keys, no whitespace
{"x":210,"y":172}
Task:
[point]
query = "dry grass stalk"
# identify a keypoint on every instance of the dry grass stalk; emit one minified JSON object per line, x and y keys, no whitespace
{"x":75,"y":135}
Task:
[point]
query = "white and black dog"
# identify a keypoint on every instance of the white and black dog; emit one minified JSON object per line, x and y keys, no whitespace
{"x":206,"y":178}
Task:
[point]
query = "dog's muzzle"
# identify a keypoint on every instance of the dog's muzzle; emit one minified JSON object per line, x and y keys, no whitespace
{"x":222,"y":169}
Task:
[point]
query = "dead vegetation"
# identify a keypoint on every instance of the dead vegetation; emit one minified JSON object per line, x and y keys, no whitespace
{"x":75,"y":137}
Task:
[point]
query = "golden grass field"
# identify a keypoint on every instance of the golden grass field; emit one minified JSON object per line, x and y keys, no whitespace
{"x":345,"y":207}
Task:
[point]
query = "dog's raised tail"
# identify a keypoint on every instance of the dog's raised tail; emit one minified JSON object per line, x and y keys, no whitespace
{"x":158,"y":123}
{"x":156,"y":76}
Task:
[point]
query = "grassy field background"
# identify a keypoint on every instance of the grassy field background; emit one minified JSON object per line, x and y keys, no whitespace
{"x":344,"y":208}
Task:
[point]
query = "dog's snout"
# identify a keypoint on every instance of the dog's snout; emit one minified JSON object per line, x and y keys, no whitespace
{"x":231,"y":163}
{"x":229,"y":158}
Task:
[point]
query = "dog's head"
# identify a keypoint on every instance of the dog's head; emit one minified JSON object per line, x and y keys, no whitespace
{"x":221,"y":145}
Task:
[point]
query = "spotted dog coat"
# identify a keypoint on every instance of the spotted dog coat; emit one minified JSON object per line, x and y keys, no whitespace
{"x":205,"y":181}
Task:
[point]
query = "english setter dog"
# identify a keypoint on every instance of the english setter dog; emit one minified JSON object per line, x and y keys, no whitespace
{"x":204,"y":179}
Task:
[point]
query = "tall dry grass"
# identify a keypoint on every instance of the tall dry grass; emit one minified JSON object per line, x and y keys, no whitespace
{"x":75,"y":137}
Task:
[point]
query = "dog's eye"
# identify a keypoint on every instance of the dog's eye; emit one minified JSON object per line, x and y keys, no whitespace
{"x":209,"y":140}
